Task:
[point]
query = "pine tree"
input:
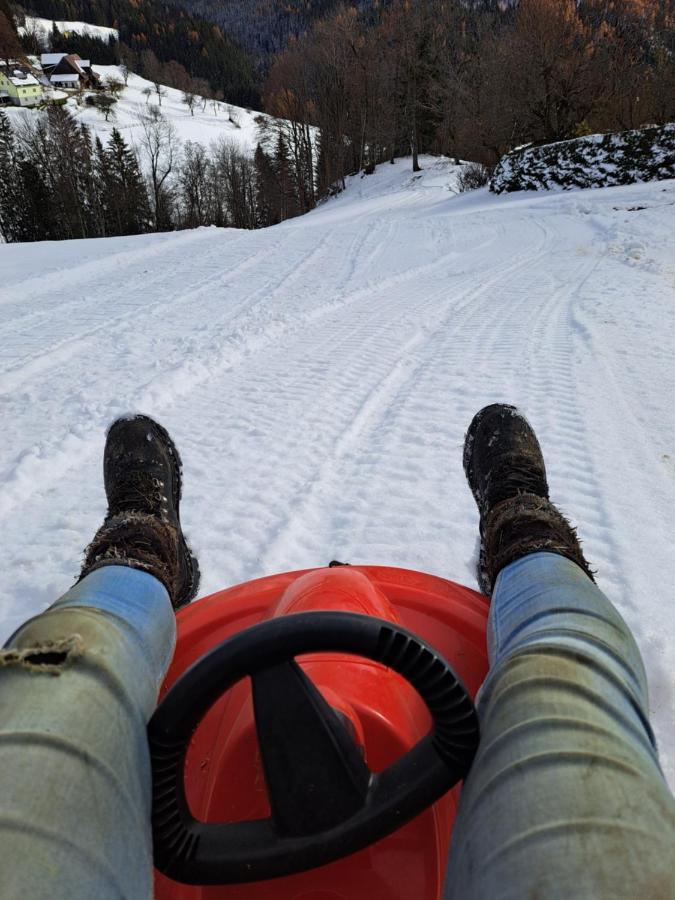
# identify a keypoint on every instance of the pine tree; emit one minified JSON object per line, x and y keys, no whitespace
{"x":266,"y":190}
{"x":127,"y":198}
{"x":10,"y":184}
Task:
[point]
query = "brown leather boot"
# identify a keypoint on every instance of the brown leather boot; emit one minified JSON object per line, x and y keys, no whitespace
{"x":505,"y":470}
{"x":142,"y":475}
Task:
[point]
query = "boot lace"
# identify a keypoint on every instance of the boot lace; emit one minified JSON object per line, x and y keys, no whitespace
{"x":138,"y":491}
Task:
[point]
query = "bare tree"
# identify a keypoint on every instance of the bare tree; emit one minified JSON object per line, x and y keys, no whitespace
{"x":160,"y":147}
{"x":160,"y":91}
{"x":190,"y":100}
{"x":114,"y":86}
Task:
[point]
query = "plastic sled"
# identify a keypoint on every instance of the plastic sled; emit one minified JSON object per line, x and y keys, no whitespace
{"x":311,"y":736}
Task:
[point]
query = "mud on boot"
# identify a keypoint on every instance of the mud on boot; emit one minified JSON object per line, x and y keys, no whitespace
{"x":142,"y":475}
{"x":505,"y":469}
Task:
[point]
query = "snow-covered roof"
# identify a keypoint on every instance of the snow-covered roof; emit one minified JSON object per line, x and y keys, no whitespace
{"x":51,"y":59}
{"x":84,"y":63}
{"x":64,"y":79}
{"x":21,"y":79}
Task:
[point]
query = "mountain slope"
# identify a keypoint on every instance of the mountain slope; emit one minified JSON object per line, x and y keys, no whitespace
{"x":318,"y":378}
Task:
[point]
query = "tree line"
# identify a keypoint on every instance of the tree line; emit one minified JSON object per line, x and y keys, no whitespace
{"x":57,"y":182}
{"x":471,"y":80}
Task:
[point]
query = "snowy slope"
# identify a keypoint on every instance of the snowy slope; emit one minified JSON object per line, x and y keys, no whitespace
{"x":226,"y":122}
{"x":44,"y":27}
{"x":318,"y":378}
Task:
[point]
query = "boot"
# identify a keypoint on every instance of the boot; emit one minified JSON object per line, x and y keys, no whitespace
{"x":142,"y":476}
{"x":505,"y":469}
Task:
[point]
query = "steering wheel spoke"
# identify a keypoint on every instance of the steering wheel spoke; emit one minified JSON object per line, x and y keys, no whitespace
{"x":315,"y":774}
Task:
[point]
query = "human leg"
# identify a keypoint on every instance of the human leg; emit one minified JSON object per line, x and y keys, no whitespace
{"x":79,"y":683}
{"x":77,"y":687}
{"x":565,"y":797}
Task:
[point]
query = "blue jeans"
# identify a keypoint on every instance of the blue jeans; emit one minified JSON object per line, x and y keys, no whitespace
{"x":565,"y":798}
{"x":77,"y":687}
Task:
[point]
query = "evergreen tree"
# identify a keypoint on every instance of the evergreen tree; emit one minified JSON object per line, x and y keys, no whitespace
{"x":126,"y":198}
{"x":10,"y":184}
{"x":266,"y":190}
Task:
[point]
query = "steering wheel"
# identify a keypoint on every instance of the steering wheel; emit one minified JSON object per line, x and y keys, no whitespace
{"x":325,"y":802}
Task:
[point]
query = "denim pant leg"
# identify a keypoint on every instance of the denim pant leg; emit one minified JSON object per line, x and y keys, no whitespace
{"x":565,"y":798}
{"x":77,"y":687}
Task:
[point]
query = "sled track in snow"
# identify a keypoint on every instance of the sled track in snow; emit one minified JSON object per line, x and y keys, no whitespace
{"x":319,"y":377}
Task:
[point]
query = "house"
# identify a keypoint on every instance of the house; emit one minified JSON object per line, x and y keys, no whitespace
{"x":18,"y":85}
{"x":67,"y":70}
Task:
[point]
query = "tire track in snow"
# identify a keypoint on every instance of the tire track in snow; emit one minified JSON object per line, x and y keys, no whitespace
{"x":379,"y":410}
{"x":45,"y":465}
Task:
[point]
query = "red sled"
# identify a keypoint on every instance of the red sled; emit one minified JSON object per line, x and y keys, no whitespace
{"x":312,"y":734}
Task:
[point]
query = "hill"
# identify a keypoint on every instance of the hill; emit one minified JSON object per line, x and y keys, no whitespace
{"x":153,"y":32}
{"x":318,"y":377}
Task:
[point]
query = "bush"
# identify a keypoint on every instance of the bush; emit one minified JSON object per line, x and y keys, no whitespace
{"x":599,"y":160}
{"x":473,"y":175}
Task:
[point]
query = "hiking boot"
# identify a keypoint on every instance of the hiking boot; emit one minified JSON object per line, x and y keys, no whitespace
{"x":505,"y":469}
{"x":142,"y":476}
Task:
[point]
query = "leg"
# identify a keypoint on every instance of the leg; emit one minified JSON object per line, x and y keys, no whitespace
{"x":565,"y":797}
{"x":79,"y":683}
{"x":77,"y":687}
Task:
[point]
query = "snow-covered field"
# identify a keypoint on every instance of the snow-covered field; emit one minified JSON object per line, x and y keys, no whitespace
{"x":210,"y":123}
{"x":319,"y":376}
{"x":44,"y":28}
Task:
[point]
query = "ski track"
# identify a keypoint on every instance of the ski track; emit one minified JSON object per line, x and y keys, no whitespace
{"x":319,"y":377}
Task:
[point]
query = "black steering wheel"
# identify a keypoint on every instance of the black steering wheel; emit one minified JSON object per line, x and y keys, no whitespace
{"x":325,"y":802}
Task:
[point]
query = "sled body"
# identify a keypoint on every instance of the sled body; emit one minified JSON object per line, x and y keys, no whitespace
{"x":223,"y":775}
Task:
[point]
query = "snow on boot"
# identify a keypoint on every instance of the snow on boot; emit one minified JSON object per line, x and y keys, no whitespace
{"x":142,"y":475}
{"x":505,"y":469}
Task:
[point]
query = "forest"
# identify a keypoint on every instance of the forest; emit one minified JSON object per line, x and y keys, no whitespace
{"x":367,"y":84}
{"x":59,"y":182}
{"x":471,"y":81}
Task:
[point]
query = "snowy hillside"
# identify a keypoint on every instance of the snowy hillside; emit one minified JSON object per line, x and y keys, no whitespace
{"x":43,"y":27}
{"x":318,"y":377}
{"x":211,"y":122}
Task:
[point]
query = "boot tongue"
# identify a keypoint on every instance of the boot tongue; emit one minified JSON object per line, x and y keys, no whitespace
{"x":138,"y":491}
{"x":511,"y":475}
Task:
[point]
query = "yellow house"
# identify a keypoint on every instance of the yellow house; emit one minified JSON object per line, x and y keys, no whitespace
{"x":18,"y":85}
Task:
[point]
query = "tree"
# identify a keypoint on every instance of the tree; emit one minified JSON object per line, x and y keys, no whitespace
{"x":104,"y":103}
{"x":114,"y":86}
{"x":196,"y":184}
{"x":159,"y":144}
{"x":190,"y":100}
{"x":266,"y":190}
{"x":126,"y":199}
{"x":11,"y":201}
{"x":160,"y":92}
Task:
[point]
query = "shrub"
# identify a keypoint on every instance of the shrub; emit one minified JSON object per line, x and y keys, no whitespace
{"x":473,"y":175}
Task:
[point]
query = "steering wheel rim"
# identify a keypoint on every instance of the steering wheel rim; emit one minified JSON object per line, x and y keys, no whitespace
{"x":195,"y":852}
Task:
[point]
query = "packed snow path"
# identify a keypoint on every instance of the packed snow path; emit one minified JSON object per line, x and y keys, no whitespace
{"x":318,"y":378}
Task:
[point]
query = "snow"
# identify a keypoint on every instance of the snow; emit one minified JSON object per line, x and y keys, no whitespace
{"x":231,"y":123}
{"x":44,"y":27}
{"x":319,"y":376}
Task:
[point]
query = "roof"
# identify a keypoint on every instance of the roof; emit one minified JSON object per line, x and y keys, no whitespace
{"x":51,"y":59}
{"x":65,"y":78}
{"x":18,"y":74}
